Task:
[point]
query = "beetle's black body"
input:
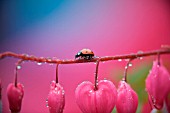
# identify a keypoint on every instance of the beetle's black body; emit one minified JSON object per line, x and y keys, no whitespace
{"x":85,"y":54}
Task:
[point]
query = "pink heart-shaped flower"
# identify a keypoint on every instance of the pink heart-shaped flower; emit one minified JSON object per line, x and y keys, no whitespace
{"x":101,"y":100}
{"x":15,"y":95}
{"x":127,"y":100}
{"x":56,"y":98}
{"x":158,"y":85}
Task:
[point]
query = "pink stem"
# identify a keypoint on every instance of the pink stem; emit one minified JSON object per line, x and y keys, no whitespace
{"x":126,"y":69}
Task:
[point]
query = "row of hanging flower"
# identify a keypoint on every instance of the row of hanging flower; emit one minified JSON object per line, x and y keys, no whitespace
{"x":105,"y":97}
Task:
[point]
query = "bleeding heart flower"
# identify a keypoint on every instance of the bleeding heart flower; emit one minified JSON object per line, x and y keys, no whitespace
{"x":56,"y":98}
{"x":158,"y":85}
{"x":127,"y":100}
{"x":15,"y":95}
{"x":101,"y":100}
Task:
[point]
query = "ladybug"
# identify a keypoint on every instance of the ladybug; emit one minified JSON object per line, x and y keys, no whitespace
{"x":85,"y":54}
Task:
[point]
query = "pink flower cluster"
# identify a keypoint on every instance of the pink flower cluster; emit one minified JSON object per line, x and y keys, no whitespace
{"x":105,"y":97}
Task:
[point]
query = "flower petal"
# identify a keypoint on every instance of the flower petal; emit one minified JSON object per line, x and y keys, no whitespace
{"x":56,"y":98}
{"x":15,"y":95}
{"x":101,"y":100}
{"x":157,"y":85}
{"x":127,"y":100}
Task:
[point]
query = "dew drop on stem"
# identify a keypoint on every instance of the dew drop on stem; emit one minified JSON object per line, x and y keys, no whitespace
{"x":18,"y":67}
{"x":119,"y":60}
{"x":39,"y":63}
{"x":130,"y":64}
{"x":126,"y":67}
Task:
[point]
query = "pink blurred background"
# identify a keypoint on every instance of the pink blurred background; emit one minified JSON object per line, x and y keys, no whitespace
{"x":62,"y":28}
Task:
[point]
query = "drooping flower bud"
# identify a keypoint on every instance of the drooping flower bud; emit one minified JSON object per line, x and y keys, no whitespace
{"x":56,"y":98}
{"x":127,"y":100}
{"x":101,"y":100}
{"x":157,"y":85}
{"x":15,"y":95}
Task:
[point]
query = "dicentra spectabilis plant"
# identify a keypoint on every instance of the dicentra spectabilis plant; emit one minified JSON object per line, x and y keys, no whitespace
{"x":102,"y":96}
{"x":15,"y":95}
{"x":98,"y":97}
{"x":56,"y":98}
{"x":15,"y":92}
{"x":100,"y":100}
{"x":127,"y":100}
{"x":158,"y":84}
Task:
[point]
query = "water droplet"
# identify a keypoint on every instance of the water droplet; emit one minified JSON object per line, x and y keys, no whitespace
{"x":103,"y":62}
{"x":105,"y":80}
{"x":140,"y":58}
{"x":126,"y":59}
{"x":126,"y":67}
{"x":47,"y":105}
{"x":47,"y":100}
{"x":130,"y":64}
{"x":90,"y":91}
{"x":153,"y":100}
{"x":58,"y":92}
{"x":63,"y":92}
{"x":97,"y":83}
{"x":18,"y":67}
{"x":39,"y":63}
{"x":140,"y":52}
{"x":119,"y":60}
{"x":56,"y":88}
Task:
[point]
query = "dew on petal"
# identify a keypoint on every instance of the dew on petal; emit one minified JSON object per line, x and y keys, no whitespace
{"x":158,"y":65}
{"x":90,"y":91}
